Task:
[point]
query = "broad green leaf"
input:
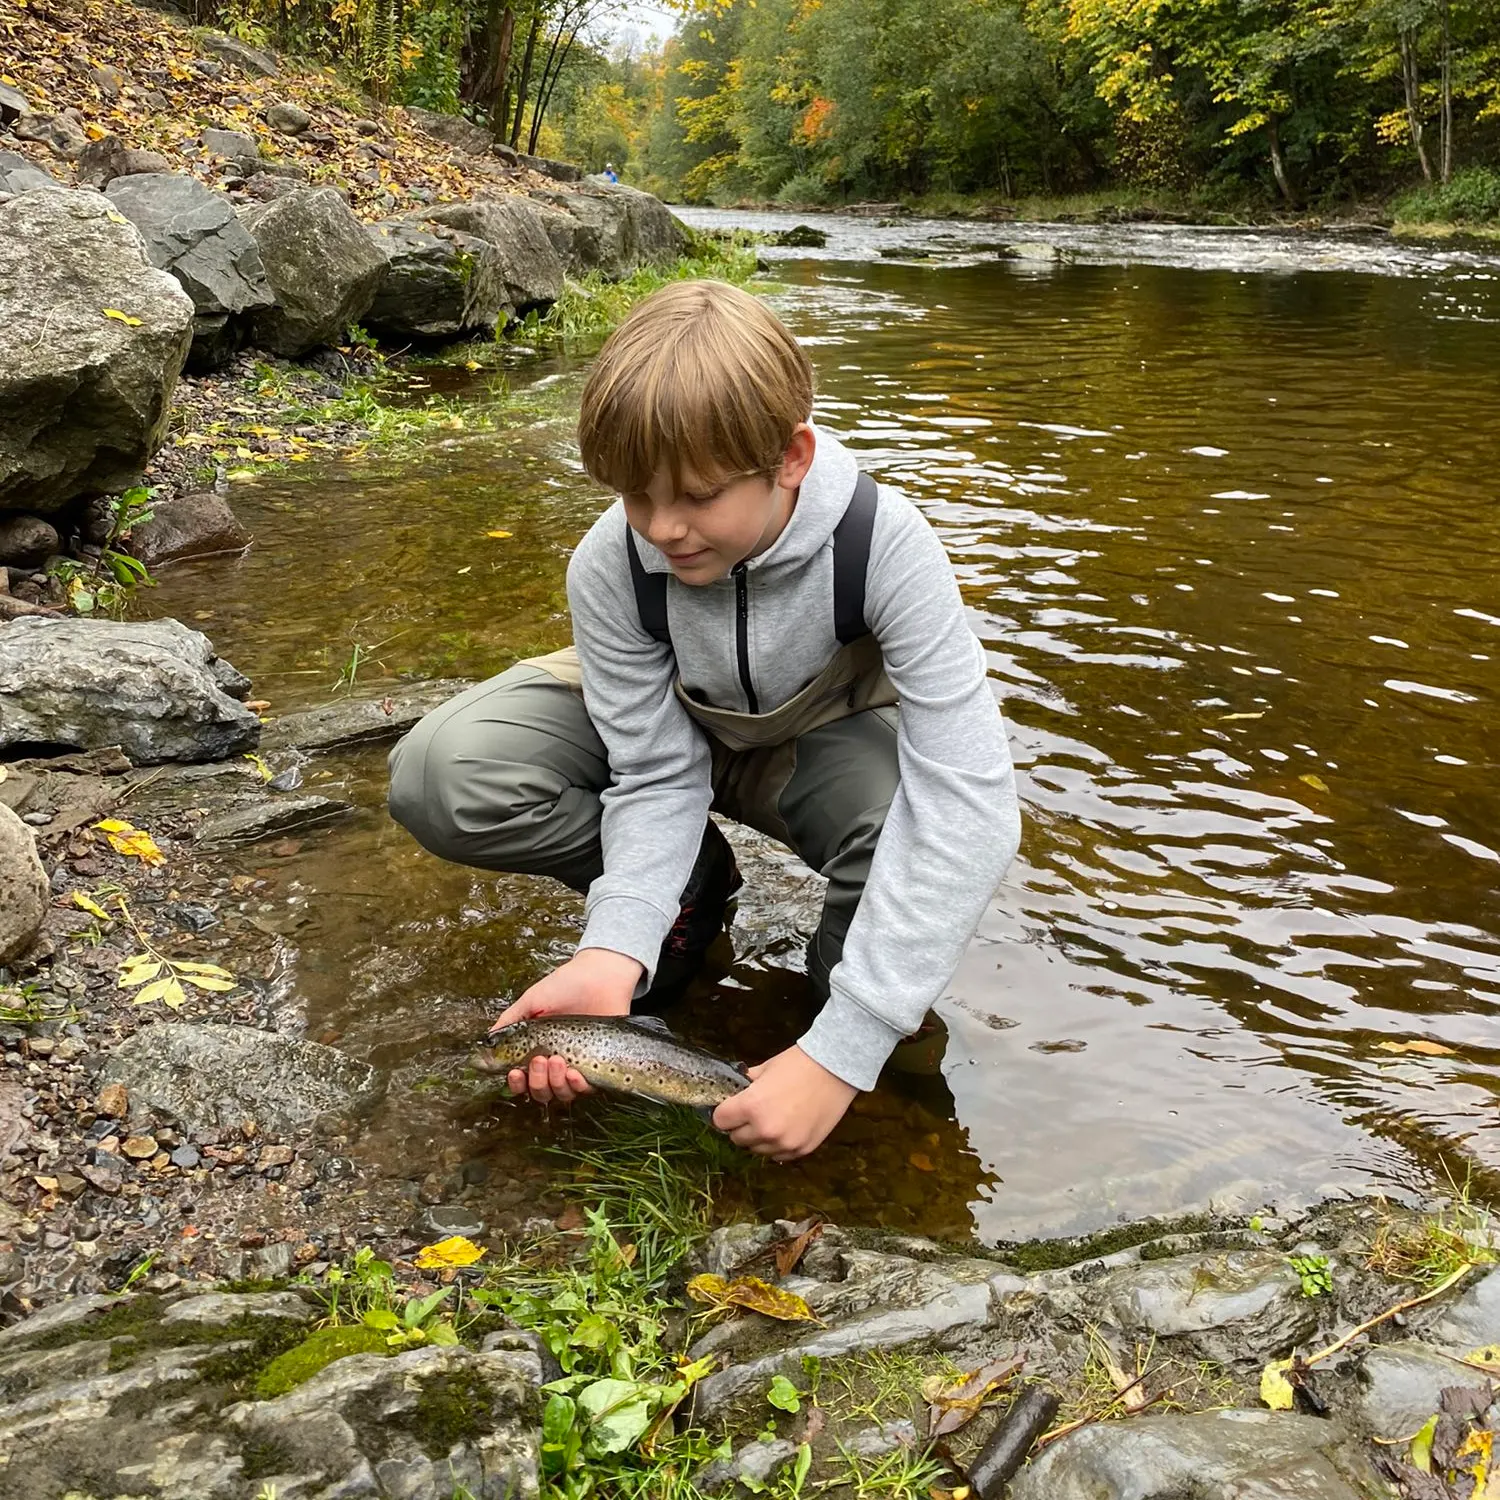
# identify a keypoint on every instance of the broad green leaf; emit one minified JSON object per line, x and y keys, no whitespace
{"x":784,"y":1396}
{"x":381,"y":1317}
{"x":619,"y":1412}
{"x":419,"y":1309}
{"x":1421,"y":1445}
{"x":442,"y":1334}
{"x":557,"y":1418}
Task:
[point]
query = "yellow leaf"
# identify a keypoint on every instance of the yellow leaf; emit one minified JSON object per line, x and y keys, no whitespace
{"x":921,"y":1161}
{"x":773,"y":1302}
{"x":113,"y":825}
{"x":708,"y":1288}
{"x":213,"y":970}
{"x":259,"y":762}
{"x":125,"y":318}
{"x":1487,"y":1358}
{"x":133,"y":973}
{"x":454,"y":1251}
{"x":1315,"y":782}
{"x":500,"y":535}
{"x":206,"y":982}
{"x":1275,"y":1389}
{"x":1427,"y":1049}
{"x":1421,"y":1446}
{"x":1230,"y":718}
{"x":88,"y":904}
{"x":167,"y":990}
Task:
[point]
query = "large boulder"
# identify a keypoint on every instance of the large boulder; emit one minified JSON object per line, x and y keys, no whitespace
{"x":530,"y":269}
{"x":154,"y":688}
{"x":101,"y":161}
{"x":452,"y":130}
{"x":321,"y":266}
{"x":618,"y":228}
{"x":213,"y":1077}
{"x":558,"y":171}
{"x":61,"y":134}
{"x":24,"y":892}
{"x":184,"y":526}
{"x":92,"y":339}
{"x":438,"y":282}
{"x":193,"y":233}
{"x":252,"y":60}
{"x":27,"y":541}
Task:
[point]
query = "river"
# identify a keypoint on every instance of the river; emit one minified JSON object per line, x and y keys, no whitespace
{"x":1222,"y":507}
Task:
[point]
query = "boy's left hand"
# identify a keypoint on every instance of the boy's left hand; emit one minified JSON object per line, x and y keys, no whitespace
{"x":791,"y":1105}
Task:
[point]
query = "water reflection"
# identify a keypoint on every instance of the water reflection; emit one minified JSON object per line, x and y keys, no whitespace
{"x":1229,"y":543}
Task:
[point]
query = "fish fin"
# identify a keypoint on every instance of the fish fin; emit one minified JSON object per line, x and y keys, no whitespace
{"x":742,"y":1068}
{"x":650,"y":1023}
{"x":705,"y":1112}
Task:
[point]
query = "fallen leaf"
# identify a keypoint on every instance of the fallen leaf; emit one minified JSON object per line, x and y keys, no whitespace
{"x":950,"y":1406}
{"x":167,"y":990}
{"x":1421,"y":1445}
{"x":921,"y":1161}
{"x":1479,"y":1444}
{"x":500,"y":535}
{"x":137,"y":969}
{"x":88,"y":904}
{"x":752,"y":1293}
{"x":1275,"y":1389}
{"x":1315,"y":782}
{"x":1427,"y":1049}
{"x":790,"y":1251}
{"x":1230,"y":718}
{"x":122,"y":317}
{"x":126,"y":839}
{"x":453,"y":1251}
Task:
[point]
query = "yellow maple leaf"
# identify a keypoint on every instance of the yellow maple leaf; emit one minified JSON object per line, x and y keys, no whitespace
{"x":125,"y":838}
{"x":454,"y":1251}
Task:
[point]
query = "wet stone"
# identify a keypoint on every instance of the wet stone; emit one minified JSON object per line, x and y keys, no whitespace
{"x":1400,"y":1384}
{"x":756,"y":1462}
{"x":1226,"y":1455}
{"x":448,"y":1219}
{"x":1470,"y":1321}
{"x":139,"y":1147}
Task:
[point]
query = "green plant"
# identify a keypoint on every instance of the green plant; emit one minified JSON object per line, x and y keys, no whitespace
{"x":1439,"y":1244}
{"x":903,"y":1474}
{"x":27,"y":1004}
{"x":788,"y":1483}
{"x":105,"y":583}
{"x":1472,"y":196}
{"x":1315,"y":1273}
{"x":784,"y":1396}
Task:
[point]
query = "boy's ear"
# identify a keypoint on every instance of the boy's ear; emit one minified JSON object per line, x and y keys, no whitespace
{"x":797,"y":459}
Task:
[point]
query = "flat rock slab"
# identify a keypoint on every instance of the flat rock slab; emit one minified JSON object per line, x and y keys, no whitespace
{"x":213,"y":1077}
{"x":1470,"y":1321}
{"x":261,"y":820}
{"x":1236,"y":1305}
{"x":74,"y":1313}
{"x":1401,"y":1385}
{"x":154,"y":688}
{"x":219,"y":1309}
{"x":1228,"y":1455}
{"x":359,"y":721}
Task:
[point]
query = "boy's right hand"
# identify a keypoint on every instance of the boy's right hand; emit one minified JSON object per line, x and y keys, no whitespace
{"x":594,"y":982}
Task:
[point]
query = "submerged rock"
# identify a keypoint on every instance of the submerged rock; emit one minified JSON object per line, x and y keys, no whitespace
{"x":24,"y":891}
{"x":1222,"y":1455}
{"x":359,"y":721}
{"x":154,"y":688}
{"x":244,"y":825}
{"x":184,"y":526}
{"x":1400,"y":1384}
{"x":92,"y":339}
{"x":213,"y":1077}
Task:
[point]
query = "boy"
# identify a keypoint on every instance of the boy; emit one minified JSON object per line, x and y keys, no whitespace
{"x":760,"y":631}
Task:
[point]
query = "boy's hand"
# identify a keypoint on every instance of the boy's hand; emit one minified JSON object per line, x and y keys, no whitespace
{"x":791,"y":1105}
{"x":594,"y":982}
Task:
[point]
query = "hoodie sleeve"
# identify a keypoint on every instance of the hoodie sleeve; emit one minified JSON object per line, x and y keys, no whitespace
{"x":954,"y":824}
{"x":658,"y":799}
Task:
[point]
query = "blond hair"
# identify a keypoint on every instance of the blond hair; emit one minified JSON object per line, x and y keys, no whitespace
{"x":701,"y":376}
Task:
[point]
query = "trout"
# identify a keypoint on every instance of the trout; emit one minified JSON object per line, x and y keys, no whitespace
{"x":627,"y":1054}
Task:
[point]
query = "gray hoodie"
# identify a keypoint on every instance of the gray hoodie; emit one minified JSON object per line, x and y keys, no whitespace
{"x":953,"y":826}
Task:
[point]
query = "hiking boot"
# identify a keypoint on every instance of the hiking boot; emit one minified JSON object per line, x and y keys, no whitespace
{"x":705,"y":910}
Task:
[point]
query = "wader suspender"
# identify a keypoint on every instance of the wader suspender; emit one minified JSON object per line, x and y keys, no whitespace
{"x":851,"y":556}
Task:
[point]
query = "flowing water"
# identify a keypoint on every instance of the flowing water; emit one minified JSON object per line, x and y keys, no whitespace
{"x":1223,"y":510}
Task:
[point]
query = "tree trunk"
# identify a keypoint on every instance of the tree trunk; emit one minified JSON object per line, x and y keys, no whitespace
{"x":1412,"y":84}
{"x":525,"y":80}
{"x":564,"y":16}
{"x":1445,"y":125}
{"x":545,"y":97}
{"x":1278,"y":162}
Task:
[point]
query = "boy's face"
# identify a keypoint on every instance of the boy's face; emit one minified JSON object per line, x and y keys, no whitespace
{"x":706,"y":526}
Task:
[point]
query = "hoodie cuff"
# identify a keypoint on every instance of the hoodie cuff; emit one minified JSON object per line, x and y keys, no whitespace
{"x":628,"y":925}
{"x":849,"y":1041}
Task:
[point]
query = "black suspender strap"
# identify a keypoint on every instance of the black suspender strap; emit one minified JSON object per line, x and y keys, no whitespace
{"x":650,"y":593}
{"x":851,"y":557}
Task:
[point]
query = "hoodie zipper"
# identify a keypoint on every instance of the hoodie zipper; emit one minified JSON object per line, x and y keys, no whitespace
{"x":742,"y":633}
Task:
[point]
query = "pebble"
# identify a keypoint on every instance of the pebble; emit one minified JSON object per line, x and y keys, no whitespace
{"x":37,"y":819}
{"x":447,"y":1219}
{"x":274,"y":1156}
{"x":113,"y":1101}
{"x":185,"y":1156}
{"x":139,"y":1147}
{"x":41,"y":1046}
{"x":103,"y":1181}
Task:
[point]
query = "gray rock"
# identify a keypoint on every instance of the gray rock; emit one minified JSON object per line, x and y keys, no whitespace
{"x":235,"y":146}
{"x":27,"y":541}
{"x":25,"y":1370}
{"x":728,"y":1247}
{"x":154,"y":688}
{"x":617,"y":228}
{"x":1225,"y":1455}
{"x":244,"y":825}
{"x":885,"y":1437}
{"x":353,"y":1429}
{"x":438,"y":282}
{"x":13,"y":104}
{"x":321,"y":266}
{"x":1470,"y":1321}
{"x":214,"y":1077}
{"x":183,"y":526}
{"x":446,"y":1219}
{"x":358,"y":721}
{"x":1237,"y":1306}
{"x":218,"y":1309}
{"x":288,"y":119}
{"x":24,"y":889}
{"x":452,"y":130}
{"x":558,"y":171}
{"x":252,"y":60}
{"x":75,"y":1313}
{"x":193,"y":234}
{"x":530,"y":270}
{"x":1399,"y":1386}
{"x":18,"y":174}
{"x":83,"y":397}
{"x":102,"y":161}
{"x":754,"y":1462}
{"x":186,"y":1157}
{"x":62,"y":135}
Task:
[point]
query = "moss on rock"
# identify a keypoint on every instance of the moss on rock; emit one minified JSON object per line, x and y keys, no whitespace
{"x":300,"y":1363}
